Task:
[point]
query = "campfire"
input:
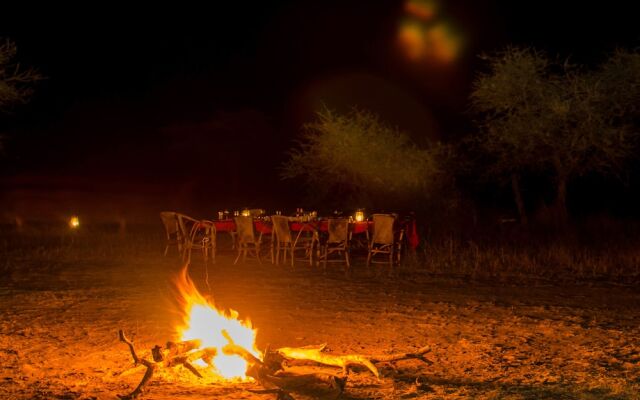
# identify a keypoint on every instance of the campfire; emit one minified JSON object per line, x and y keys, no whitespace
{"x":218,"y":346}
{"x":211,"y":329}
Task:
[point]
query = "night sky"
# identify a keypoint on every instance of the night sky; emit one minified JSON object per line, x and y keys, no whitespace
{"x":201,"y":103}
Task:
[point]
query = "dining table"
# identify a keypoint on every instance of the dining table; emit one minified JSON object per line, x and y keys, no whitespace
{"x":264,"y":227}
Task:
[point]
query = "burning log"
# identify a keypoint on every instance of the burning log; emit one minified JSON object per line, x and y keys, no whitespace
{"x":315,"y":354}
{"x":181,"y":353}
{"x":270,"y":372}
{"x":233,"y":349}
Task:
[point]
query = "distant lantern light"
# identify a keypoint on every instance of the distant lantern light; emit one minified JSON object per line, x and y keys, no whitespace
{"x":246,"y":212}
{"x":359,"y":216}
{"x":74,"y":222}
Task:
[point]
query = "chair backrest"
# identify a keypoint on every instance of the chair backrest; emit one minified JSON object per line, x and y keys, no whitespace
{"x":383,"y":228}
{"x":245,"y":229}
{"x":256,"y":212}
{"x":170,"y":222}
{"x":186,"y":224}
{"x":281,"y":228}
{"x":338,"y":230}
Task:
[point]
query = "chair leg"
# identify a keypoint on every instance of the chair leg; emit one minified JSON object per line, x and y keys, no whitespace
{"x":238,"y":256}
{"x":391,"y":259}
{"x":257,"y":249}
{"x":186,"y":253}
{"x":272,"y":255}
{"x":325,"y":256}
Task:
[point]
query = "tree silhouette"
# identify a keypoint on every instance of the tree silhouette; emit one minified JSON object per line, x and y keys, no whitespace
{"x":357,"y":158}
{"x":15,"y":82}
{"x":536,"y":115}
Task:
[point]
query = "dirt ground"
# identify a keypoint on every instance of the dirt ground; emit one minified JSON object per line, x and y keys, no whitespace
{"x":61,"y":313}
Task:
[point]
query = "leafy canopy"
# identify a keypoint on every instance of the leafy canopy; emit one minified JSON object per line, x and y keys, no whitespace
{"x":537,"y":115}
{"x":15,"y":82}
{"x":358,"y":153}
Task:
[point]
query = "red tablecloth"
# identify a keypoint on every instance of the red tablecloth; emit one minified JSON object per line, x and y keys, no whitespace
{"x":228,"y":225}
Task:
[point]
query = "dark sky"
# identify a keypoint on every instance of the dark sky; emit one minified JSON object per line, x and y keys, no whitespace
{"x":187,"y":94}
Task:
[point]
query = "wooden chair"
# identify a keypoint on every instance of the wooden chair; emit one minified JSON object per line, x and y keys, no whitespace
{"x":200,"y":235}
{"x":284,"y":241}
{"x":247,"y":241}
{"x":172,"y":231}
{"x":337,"y":242}
{"x":385,"y":240}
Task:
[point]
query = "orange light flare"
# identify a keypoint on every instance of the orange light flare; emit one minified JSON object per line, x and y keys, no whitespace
{"x":411,"y":38}
{"x":442,"y":43}
{"x":424,"y":10}
{"x":426,"y":35}
{"x":203,"y":321}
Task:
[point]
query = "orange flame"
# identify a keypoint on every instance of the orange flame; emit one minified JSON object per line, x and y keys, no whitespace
{"x":203,"y":321}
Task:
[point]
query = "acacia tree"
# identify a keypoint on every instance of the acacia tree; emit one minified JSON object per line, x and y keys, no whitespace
{"x":358,"y":158}
{"x":15,"y":82}
{"x":536,"y":115}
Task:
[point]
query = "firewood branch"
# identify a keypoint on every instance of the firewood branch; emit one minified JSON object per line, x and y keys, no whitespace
{"x":233,"y":349}
{"x":419,"y":355}
{"x":315,"y":354}
{"x":151,"y":367}
{"x":181,"y":353}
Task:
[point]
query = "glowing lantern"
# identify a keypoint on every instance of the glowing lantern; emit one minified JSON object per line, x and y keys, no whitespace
{"x":74,"y":222}
{"x":246,"y":212}
{"x":359,"y":216}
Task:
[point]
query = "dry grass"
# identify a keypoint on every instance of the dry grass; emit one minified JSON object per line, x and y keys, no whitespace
{"x":561,"y":263}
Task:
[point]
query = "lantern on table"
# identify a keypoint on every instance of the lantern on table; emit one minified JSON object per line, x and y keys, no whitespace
{"x":246,"y":212}
{"x":359,"y":217}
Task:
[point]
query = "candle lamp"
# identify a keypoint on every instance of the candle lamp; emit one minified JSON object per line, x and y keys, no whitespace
{"x":74,"y":222}
{"x":359,"y":217}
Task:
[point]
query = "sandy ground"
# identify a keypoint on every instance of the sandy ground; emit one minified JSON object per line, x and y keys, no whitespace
{"x":61,"y":313}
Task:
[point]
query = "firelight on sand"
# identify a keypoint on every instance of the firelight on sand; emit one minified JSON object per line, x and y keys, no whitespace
{"x":204,"y":322}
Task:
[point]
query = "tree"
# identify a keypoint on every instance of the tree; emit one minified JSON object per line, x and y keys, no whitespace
{"x":536,"y":115}
{"x":15,"y":82}
{"x":358,"y":158}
